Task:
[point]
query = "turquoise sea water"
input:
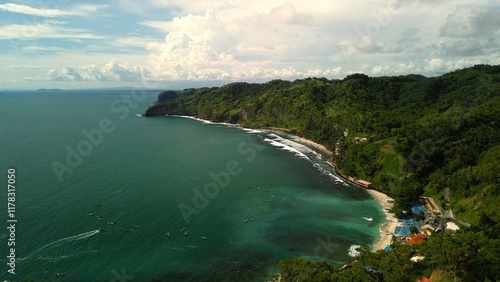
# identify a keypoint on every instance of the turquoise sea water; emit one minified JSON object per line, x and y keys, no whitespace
{"x":246,"y":199}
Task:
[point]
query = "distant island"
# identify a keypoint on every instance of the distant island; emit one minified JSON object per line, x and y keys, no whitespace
{"x":49,"y":89}
{"x":101,"y":89}
{"x":408,"y":136}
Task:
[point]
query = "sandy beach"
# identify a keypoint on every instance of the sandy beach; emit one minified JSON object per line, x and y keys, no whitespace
{"x":313,"y":144}
{"x":303,"y":140}
{"x":391,"y":222}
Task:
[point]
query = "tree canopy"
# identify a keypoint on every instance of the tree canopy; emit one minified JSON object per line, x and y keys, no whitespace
{"x":423,"y":135}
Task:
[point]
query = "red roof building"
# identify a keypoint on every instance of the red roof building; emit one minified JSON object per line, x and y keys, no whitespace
{"x":363,"y":183}
{"x":414,"y":239}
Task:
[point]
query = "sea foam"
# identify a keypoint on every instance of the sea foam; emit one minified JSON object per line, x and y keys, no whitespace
{"x":286,"y":147}
{"x":353,"y":252}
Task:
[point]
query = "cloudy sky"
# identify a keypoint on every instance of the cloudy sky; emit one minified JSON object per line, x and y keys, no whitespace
{"x":183,"y":43}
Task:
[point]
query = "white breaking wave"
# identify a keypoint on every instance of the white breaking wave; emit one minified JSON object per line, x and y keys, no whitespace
{"x":328,"y":172}
{"x":207,"y":121}
{"x":249,"y":130}
{"x":305,"y":152}
{"x":293,"y":146}
{"x":353,"y":252}
{"x":195,"y":118}
{"x":306,"y":149}
{"x":300,"y":147}
{"x":287,"y":148}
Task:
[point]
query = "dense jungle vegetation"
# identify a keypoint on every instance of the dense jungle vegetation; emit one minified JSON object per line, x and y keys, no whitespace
{"x":422,"y":135}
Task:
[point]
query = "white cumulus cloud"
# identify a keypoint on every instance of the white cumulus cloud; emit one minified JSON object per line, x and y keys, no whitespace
{"x":231,"y":43}
{"x":43,"y":30}
{"x":112,"y":71}
{"x":79,"y":10}
{"x":234,"y":40}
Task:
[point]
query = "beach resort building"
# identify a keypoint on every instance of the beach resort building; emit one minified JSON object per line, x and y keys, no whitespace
{"x":451,"y":227}
{"x":363,"y":183}
{"x":432,"y":205}
{"x":415,"y":239}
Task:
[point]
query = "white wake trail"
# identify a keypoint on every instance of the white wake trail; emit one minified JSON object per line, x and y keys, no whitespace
{"x":66,"y":240}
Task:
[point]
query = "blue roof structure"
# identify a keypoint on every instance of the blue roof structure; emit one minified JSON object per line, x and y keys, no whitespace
{"x":419,"y":208}
{"x":402,"y":230}
{"x":409,"y":222}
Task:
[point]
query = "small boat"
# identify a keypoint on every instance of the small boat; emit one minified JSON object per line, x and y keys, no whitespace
{"x":91,"y":214}
{"x":61,"y":274}
{"x":112,"y":222}
{"x":203,"y":237}
{"x":168,"y":234}
{"x":183,"y":228}
{"x":185,"y":233}
{"x":101,"y":229}
{"x":98,"y":217}
{"x":368,"y":218}
{"x":246,"y":220}
{"x":253,"y":219}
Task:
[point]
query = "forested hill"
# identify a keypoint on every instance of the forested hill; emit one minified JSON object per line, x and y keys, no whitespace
{"x":423,"y":134}
{"x":409,"y":135}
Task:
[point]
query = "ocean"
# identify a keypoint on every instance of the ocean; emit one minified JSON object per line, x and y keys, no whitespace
{"x":102,"y":194}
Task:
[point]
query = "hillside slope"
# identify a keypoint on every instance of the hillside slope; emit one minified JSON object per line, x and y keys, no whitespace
{"x":422,"y":134}
{"x":409,"y":135}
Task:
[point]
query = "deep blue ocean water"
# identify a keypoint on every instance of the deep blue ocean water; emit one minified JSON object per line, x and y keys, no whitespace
{"x":102,"y":194}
